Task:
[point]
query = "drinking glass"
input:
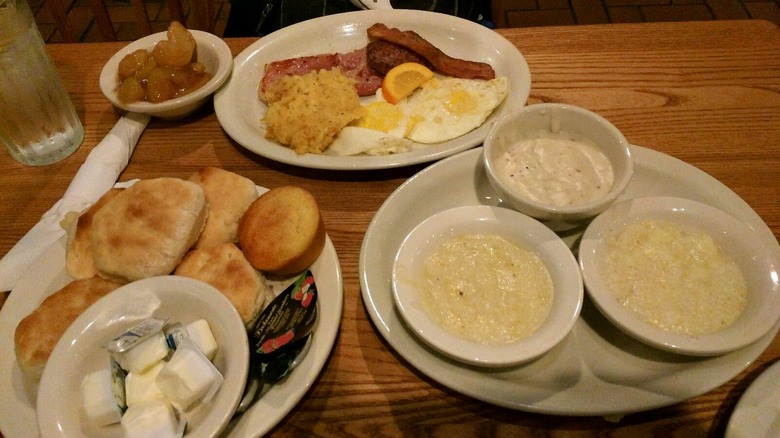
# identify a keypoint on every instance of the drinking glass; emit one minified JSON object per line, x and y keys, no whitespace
{"x":38,"y":123}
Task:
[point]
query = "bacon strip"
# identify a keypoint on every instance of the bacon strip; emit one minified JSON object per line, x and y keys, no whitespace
{"x":441,"y":62}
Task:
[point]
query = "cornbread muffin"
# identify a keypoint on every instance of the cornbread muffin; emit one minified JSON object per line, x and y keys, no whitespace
{"x":306,"y":112}
{"x":38,"y":333}
{"x":78,"y":227}
{"x":146,"y":230}
{"x":282,"y":231}
{"x":225,"y":267}
{"x":228,"y":195}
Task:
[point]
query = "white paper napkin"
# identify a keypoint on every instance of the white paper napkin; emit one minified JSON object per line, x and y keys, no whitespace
{"x":94,"y":178}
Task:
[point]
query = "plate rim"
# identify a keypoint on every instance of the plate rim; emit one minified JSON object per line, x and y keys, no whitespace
{"x":772,"y":371}
{"x":553,"y":404}
{"x":224,"y":97}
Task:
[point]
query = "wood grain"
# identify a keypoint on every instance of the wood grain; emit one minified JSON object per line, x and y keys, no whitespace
{"x":707,"y":93}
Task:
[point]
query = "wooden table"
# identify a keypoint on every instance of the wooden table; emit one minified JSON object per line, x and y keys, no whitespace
{"x":706,"y":92}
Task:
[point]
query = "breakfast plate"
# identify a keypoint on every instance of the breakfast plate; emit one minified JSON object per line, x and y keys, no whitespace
{"x":240,"y":112}
{"x":47,"y":274}
{"x":596,"y":369}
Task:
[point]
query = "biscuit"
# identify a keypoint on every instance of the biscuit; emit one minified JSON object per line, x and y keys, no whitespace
{"x":228,"y":195}
{"x":225,"y":267}
{"x":78,"y":227}
{"x":146,"y":230}
{"x":38,"y":333}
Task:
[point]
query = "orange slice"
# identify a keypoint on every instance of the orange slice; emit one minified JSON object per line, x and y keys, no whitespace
{"x":403,"y":79}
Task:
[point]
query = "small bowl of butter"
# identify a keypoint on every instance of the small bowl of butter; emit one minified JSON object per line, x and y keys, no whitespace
{"x":557,"y":162}
{"x":160,"y":356}
{"x":487,"y":286}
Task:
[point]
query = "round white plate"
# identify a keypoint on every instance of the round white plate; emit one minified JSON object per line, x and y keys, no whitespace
{"x":757,"y":414}
{"x":80,"y":352}
{"x":47,"y":275}
{"x":597,"y":369}
{"x":240,"y":112}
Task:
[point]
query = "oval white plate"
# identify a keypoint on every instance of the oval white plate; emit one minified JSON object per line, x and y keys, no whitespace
{"x":47,"y":274}
{"x":519,"y":229}
{"x":80,"y":352}
{"x":743,"y":245}
{"x":596,"y":370}
{"x":240,"y":112}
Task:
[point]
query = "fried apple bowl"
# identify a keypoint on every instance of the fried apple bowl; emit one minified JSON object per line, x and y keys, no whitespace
{"x":156,"y":68}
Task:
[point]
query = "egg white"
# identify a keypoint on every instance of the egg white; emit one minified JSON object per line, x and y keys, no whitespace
{"x":443,"y":109}
{"x":354,"y":140}
{"x":440,"y":110}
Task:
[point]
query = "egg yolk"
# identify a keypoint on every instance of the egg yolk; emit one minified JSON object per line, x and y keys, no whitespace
{"x":381,"y":116}
{"x":460,"y":102}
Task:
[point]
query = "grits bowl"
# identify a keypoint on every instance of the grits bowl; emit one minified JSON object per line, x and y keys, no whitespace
{"x":211,"y":51}
{"x":411,"y":272}
{"x":578,"y":176}
{"x":674,"y":317}
{"x":80,"y":352}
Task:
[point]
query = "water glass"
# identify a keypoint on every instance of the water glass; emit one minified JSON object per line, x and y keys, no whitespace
{"x":38,"y":123}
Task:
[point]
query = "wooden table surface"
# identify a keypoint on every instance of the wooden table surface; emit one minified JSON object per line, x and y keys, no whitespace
{"x":707,"y":93}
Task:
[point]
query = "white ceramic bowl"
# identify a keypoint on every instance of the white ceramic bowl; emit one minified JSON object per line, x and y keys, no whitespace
{"x":755,"y":259}
{"x":518,"y":229}
{"x":540,"y":119}
{"x":80,"y":352}
{"x":212,"y":52}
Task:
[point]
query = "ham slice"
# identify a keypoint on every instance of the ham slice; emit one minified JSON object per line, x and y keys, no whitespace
{"x":352,"y":64}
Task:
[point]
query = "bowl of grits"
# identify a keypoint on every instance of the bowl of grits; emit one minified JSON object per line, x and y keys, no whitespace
{"x":487,"y":286}
{"x":680,"y":275}
{"x":167,"y":74}
{"x":557,"y":162}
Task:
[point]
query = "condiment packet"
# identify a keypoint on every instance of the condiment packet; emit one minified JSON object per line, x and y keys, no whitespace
{"x":135,"y":335}
{"x":290,"y":317}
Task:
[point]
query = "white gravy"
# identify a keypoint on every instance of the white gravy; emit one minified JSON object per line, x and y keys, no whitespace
{"x":555,"y":169}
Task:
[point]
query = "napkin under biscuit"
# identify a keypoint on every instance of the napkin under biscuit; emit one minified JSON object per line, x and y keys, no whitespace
{"x":145,"y":230}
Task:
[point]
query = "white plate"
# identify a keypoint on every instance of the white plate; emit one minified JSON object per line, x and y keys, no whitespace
{"x":17,"y":404}
{"x":596,"y":370}
{"x":757,"y":414}
{"x":80,"y":352}
{"x":240,"y":112}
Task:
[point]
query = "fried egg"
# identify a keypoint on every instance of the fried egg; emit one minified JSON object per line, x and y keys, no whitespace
{"x":440,"y":110}
{"x":443,"y":109}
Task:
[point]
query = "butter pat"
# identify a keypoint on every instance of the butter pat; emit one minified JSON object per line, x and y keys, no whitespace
{"x":201,"y":334}
{"x":151,"y":418}
{"x":140,"y":387}
{"x":98,"y":399}
{"x":144,"y":354}
{"x":188,"y":377}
